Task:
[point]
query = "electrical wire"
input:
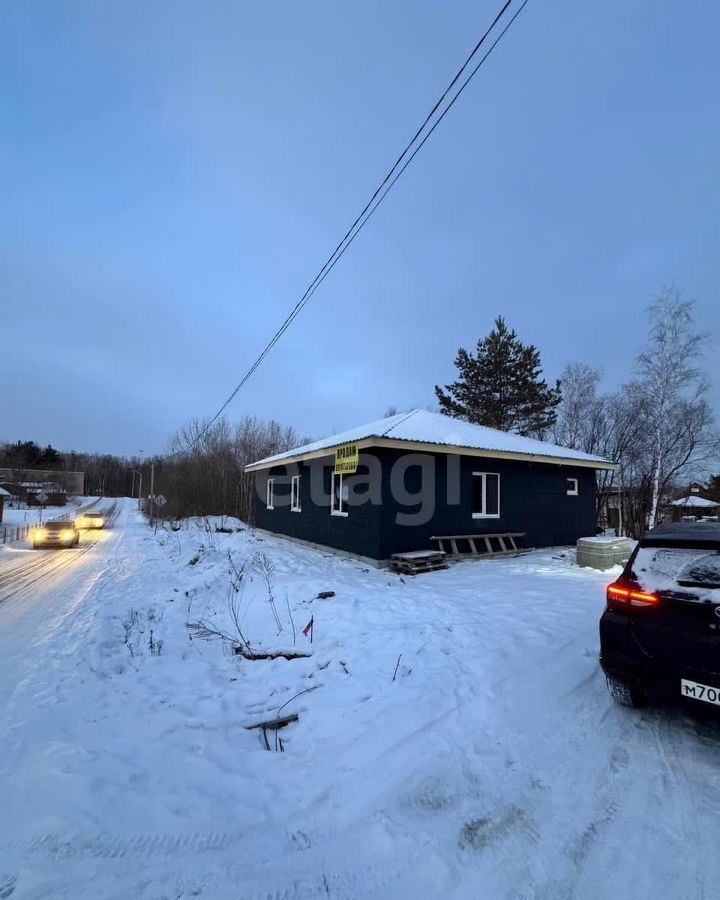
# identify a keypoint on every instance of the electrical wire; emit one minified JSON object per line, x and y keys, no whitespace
{"x":390,"y":179}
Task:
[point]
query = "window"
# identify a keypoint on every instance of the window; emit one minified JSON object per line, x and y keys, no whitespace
{"x":295,"y":494}
{"x":671,"y":568}
{"x":486,"y":495}
{"x":270,"y":493}
{"x":338,"y":495}
{"x":572,"y":487}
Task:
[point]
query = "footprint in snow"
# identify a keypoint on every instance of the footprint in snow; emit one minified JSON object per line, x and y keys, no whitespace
{"x":479,"y":833}
{"x":7,"y":885}
{"x":619,"y":759}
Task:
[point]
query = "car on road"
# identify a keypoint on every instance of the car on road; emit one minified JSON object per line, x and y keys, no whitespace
{"x":660,"y":632}
{"x":91,"y":520}
{"x":55,"y":534}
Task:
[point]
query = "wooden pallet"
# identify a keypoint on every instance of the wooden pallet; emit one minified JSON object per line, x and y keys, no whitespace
{"x":504,"y":544}
{"x":417,"y":561}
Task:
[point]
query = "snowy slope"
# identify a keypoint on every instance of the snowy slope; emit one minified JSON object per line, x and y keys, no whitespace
{"x":488,"y":762}
{"x":435,"y":428}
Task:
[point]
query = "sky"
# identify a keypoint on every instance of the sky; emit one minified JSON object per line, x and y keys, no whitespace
{"x":173,"y":175}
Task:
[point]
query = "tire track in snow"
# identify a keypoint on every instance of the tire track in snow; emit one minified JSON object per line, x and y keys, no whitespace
{"x":326,"y":878}
{"x":59,"y":847}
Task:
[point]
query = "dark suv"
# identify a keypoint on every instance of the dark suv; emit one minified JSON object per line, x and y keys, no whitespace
{"x":660,"y":633}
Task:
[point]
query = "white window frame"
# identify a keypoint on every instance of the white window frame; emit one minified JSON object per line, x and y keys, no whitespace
{"x":573,"y":489}
{"x":333,"y":510}
{"x":270,"y":493}
{"x":487,"y":515}
{"x":295,"y":494}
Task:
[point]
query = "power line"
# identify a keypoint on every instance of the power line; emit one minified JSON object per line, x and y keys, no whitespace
{"x":319,"y":280}
{"x":378,"y":196}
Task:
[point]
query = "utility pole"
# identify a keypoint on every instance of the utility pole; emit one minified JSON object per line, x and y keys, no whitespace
{"x":152,"y":491}
{"x":140,"y":482}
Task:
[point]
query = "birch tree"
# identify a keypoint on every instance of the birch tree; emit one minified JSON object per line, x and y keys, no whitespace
{"x":669,"y":393}
{"x":580,"y":420}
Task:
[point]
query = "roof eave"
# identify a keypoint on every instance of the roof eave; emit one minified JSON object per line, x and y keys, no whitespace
{"x":427,"y":447}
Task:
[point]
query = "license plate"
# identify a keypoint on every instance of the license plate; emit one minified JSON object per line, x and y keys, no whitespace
{"x":696,"y":691}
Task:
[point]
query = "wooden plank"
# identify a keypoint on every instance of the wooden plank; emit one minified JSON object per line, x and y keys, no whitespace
{"x":418,"y":566}
{"x":500,"y":540}
{"x":453,"y":545}
{"x":488,"y":544}
{"x":471,"y":541}
{"x":419,"y":554}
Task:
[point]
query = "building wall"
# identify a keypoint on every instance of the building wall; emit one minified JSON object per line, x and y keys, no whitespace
{"x":359,"y":532}
{"x":533,"y":499}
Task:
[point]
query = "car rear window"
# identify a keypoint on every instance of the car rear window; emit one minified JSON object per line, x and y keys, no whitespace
{"x":674,"y":568}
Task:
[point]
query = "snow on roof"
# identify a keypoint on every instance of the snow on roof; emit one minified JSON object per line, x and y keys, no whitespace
{"x":4,"y":493}
{"x":420,"y":426}
{"x":698,"y":502}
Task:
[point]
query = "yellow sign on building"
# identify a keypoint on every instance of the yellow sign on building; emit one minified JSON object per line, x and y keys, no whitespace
{"x":346,"y":459}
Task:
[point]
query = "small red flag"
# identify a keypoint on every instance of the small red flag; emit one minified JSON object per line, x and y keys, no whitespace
{"x":308,"y":629}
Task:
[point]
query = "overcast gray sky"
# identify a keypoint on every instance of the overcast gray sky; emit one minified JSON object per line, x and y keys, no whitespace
{"x":172,"y":175}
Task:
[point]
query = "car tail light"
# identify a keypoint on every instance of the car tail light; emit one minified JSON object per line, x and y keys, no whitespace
{"x":621,"y":596}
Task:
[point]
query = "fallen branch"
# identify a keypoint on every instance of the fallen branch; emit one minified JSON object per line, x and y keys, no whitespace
{"x":279,"y":654}
{"x":397,"y":665}
{"x":280,"y":708}
{"x":274,"y":723}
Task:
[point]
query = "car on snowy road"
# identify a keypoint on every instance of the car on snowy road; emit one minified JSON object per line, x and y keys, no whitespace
{"x":91,"y":520}
{"x":660,"y":632}
{"x":55,"y":534}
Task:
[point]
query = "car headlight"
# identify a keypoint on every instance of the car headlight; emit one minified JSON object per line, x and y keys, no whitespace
{"x":38,"y":534}
{"x":66,"y":535}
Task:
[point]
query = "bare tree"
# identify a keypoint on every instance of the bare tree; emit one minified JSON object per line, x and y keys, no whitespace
{"x":669,"y":394}
{"x":204,"y":473}
{"x":580,"y":420}
{"x":658,"y":427}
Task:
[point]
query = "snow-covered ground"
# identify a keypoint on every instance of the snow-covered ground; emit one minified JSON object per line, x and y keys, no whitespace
{"x":487,"y":762}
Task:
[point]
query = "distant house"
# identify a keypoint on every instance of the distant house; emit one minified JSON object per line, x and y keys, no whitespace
{"x":390,"y":486}
{"x":55,"y":496}
{"x":71,"y":483}
{"x":693,"y":505}
{"x":27,"y":492}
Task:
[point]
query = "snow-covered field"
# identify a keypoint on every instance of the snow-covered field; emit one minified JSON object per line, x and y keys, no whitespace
{"x":488,"y":762}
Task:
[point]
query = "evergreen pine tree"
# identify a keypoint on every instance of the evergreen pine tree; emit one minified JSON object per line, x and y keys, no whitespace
{"x":500,"y":386}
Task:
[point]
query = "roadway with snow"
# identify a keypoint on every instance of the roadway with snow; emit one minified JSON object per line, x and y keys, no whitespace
{"x":488,"y":762}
